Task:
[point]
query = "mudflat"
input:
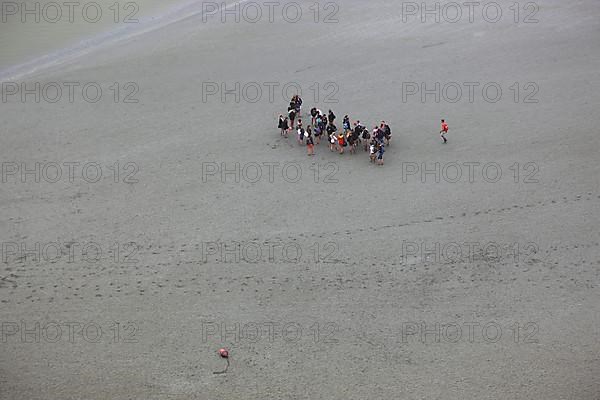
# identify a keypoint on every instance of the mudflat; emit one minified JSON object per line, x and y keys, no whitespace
{"x":148,"y":226}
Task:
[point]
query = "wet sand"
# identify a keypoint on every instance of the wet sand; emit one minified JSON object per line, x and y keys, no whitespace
{"x":154,"y":246}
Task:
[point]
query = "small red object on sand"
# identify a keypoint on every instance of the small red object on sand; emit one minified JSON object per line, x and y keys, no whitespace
{"x":224,"y":354}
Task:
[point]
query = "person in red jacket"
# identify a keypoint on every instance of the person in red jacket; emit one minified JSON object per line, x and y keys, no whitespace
{"x":443,"y":131}
{"x":341,"y":143}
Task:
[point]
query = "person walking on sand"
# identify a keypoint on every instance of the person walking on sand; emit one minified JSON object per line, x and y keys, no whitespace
{"x":280,"y":125}
{"x":310,"y":144}
{"x":357,"y":130}
{"x":387,"y":132}
{"x":331,"y":116}
{"x":443,"y":131}
{"x":353,"y":139}
{"x":373,"y":150}
{"x":366,"y":138}
{"x":298,"y":102}
{"x":301,"y":133}
{"x":332,"y":137}
{"x":313,"y":114}
{"x":284,"y":127}
{"x":380,"y":151}
{"x":292,"y":117}
{"x":322,"y":121}
{"x":346,"y":124}
{"x":318,"y":133}
{"x":341,"y":142}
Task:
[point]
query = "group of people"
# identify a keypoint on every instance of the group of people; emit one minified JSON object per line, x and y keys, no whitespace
{"x":351,"y":136}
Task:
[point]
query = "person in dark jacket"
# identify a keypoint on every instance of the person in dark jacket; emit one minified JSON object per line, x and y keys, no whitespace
{"x":280,"y":125}
{"x":387,"y":132}
{"x":331,"y":116}
{"x":313,"y":114}
{"x":310,"y":144}
{"x":292,"y":117}
{"x":285,"y":127}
